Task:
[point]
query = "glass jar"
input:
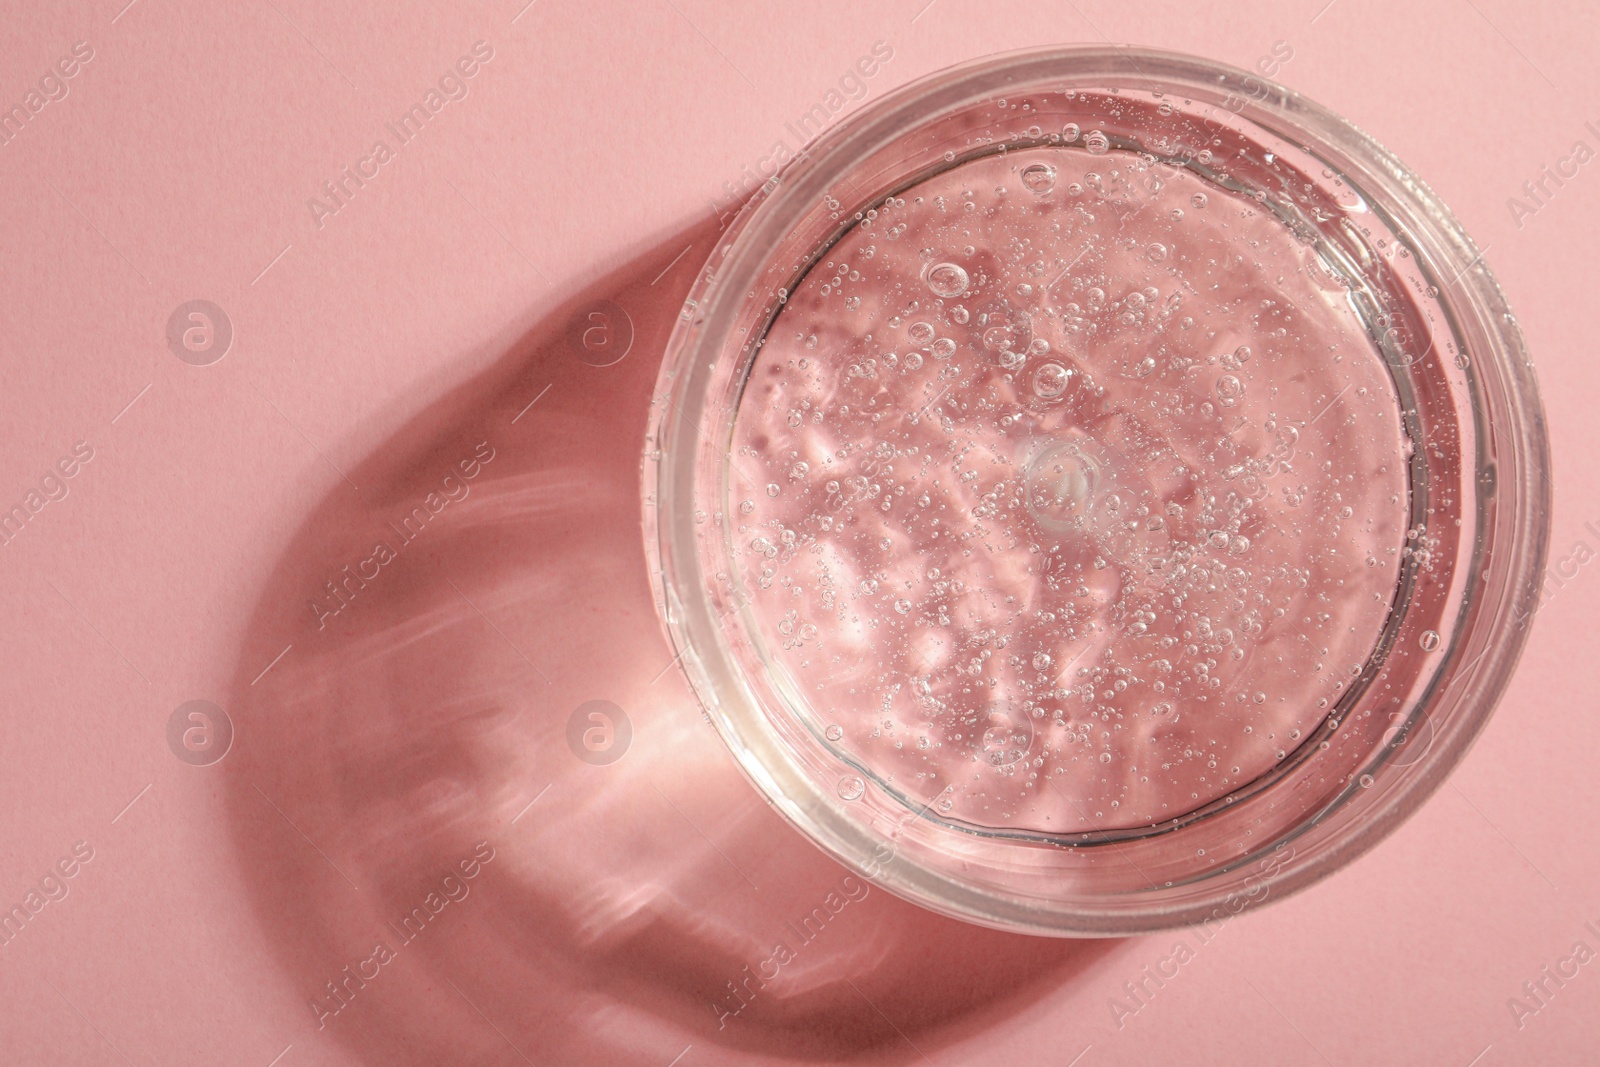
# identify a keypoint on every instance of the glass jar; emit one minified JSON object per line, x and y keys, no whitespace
{"x":1234,"y":449}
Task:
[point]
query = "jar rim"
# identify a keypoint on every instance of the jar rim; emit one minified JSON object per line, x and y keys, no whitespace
{"x":1507,"y":418}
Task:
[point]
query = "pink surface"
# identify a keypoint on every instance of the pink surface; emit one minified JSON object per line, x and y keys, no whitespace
{"x":382,"y":350}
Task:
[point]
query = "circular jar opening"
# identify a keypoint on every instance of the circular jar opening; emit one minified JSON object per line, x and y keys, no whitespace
{"x":1094,"y":488}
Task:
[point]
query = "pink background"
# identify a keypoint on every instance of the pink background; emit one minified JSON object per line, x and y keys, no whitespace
{"x":588,"y":161}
